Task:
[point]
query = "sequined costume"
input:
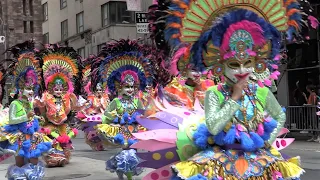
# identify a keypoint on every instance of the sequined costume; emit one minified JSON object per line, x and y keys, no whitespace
{"x":60,"y":73}
{"x":238,"y":42}
{"x":19,"y":133}
{"x":98,"y":102}
{"x":124,"y":70}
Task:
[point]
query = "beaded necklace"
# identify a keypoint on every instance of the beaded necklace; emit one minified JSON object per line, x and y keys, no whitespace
{"x":250,"y":94}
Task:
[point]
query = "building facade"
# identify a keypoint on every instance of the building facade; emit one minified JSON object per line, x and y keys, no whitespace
{"x":86,"y":25}
{"x":20,"y":20}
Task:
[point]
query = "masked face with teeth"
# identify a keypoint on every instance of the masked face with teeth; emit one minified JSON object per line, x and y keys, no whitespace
{"x":128,"y":88}
{"x":58,"y":88}
{"x":28,"y":90}
{"x":99,"y":90}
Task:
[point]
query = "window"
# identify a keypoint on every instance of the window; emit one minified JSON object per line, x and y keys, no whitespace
{"x":63,"y":4}
{"x":31,"y":7}
{"x":64,"y":29}
{"x":25,"y":27}
{"x":24,"y":3}
{"x":46,"y":38}
{"x":82,"y":52}
{"x":104,"y":13}
{"x":100,"y":46}
{"x":116,"y":13}
{"x":31,"y":27}
{"x":80,"y":23}
{"x":45,"y":11}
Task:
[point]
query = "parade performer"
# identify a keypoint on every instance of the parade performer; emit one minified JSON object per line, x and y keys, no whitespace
{"x":235,"y":39}
{"x":98,"y":102}
{"x":124,"y":71}
{"x":61,"y":76}
{"x":161,"y":76}
{"x":21,"y":129}
{"x":189,"y":82}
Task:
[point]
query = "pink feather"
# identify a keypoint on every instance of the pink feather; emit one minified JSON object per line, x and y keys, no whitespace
{"x":277,"y":73}
{"x":31,"y":74}
{"x":63,"y":139}
{"x":253,"y":28}
{"x":70,"y":87}
{"x":173,"y":65}
{"x":274,"y":66}
{"x":267,"y":82}
{"x":260,"y":83}
{"x":129,"y":72}
{"x":251,"y":53}
{"x":260,"y":129}
{"x":277,"y":57}
{"x":75,"y":131}
{"x":229,"y":55}
{"x":87,"y":88}
{"x":273,"y":76}
{"x":314,"y":22}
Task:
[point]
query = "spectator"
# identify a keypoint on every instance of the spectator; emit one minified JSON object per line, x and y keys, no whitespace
{"x":312,"y":100}
{"x":299,"y":96}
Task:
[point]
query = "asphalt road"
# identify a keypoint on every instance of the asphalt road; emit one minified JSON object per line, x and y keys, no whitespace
{"x":89,"y":165}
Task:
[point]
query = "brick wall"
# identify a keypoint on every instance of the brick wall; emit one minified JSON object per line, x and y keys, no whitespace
{"x":14,"y":13}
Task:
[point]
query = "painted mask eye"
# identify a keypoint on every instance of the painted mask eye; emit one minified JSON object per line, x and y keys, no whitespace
{"x":248,"y":64}
{"x":234,"y":64}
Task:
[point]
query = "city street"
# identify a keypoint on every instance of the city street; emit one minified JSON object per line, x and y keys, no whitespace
{"x":89,"y":165}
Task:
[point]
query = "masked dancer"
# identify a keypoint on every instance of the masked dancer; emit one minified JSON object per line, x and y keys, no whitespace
{"x":238,"y":41}
{"x":98,"y":100}
{"x":21,"y":129}
{"x":124,"y":71}
{"x":61,"y":75}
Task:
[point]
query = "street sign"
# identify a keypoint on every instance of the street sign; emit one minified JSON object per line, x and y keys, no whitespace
{"x":142,"y":23}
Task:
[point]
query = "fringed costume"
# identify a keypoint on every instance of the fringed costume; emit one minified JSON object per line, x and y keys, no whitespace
{"x":239,"y":43}
{"x":61,"y":76}
{"x":19,"y":133}
{"x":125,"y":71}
{"x":98,"y":102}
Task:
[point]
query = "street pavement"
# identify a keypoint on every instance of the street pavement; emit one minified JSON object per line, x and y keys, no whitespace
{"x":89,"y":165}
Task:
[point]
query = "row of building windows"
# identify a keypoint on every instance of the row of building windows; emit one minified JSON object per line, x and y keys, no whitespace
{"x":111,"y":13}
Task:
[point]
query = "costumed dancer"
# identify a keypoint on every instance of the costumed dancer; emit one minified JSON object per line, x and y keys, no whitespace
{"x":235,"y":39}
{"x":61,"y":76}
{"x":98,"y":102}
{"x":161,"y":77}
{"x":124,"y":71}
{"x":21,"y":130}
{"x":4,"y":114}
{"x":189,"y":82}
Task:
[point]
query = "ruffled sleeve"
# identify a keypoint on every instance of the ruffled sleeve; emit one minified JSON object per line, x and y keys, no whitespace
{"x":216,"y":115}
{"x":275,"y":111}
{"x":13,"y":118}
{"x":110,"y":113}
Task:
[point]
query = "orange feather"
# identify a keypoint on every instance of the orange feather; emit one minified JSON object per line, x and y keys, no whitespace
{"x":293,"y":23}
{"x":292,"y":11}
{"x":288,"y":2}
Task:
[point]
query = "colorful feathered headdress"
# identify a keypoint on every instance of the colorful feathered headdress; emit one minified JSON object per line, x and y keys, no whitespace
{"x":25,"y":67}
{"x":86,"y":73}
{"x":61,"y":65}
{"x":123,"y":62}
{"x":205,"y":33}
